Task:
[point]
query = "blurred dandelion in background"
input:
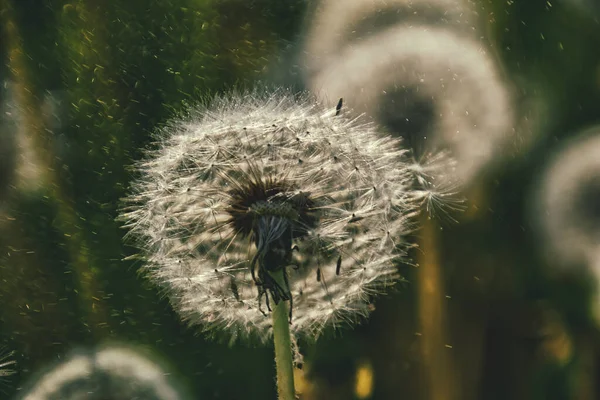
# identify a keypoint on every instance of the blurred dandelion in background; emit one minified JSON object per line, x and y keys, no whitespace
{"x":337,"y":24}
{"x":565,"y":211}
{"x":566,"y":205}
{"x":258,"y":180}
{"x":111,"y":372}
{"x":428,"y":81}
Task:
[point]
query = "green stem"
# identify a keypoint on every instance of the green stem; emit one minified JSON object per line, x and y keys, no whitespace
{"x":283,"y":350}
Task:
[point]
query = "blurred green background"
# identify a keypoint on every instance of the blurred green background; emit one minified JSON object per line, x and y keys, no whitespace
{"x":86,"y":82}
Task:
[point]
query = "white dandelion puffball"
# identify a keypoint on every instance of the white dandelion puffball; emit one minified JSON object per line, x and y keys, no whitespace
{"x":442,"y":83}
{"x":115,"y":373}
{"x":336,"y":24}
{"x":567,"y":204}
{"x":269,"y":182}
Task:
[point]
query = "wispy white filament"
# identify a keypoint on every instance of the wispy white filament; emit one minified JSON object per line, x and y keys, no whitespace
{"x":567,"y":204}
{"x":109,"y":373}
{"x":7,"y":363}
{"x":418,"y":68}
{"x":358,"y":184}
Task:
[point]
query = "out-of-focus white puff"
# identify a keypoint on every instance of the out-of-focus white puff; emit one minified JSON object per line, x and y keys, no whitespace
{"x":336,"y":24}
{"x":566,"y":204}
{"x":386,"y":75}
{"x":111,"y":372}
{"x":426,"y":78}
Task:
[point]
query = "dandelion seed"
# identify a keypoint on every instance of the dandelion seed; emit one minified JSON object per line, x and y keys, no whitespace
{"x":415,"y":69}
{"x":338,"y":108}
{"x":567,"y":204}
{"x":111,"y":372}
{"x":436,"y":185}
{"x":258,"y":184}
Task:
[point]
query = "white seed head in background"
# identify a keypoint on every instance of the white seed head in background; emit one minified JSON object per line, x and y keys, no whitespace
{"x":279,"y":170}
{"x":567,"y":204}
{"x":417,"y":67}
{"x":108,"y":373}
{"x":444,"y":83}
{"x":336,"y":24}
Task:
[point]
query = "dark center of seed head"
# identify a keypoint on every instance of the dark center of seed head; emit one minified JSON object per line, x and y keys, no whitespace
{"x":273,"y":213}
{"x":273,"y":231}
{"x":267,"y":199}
{"x":275,"y":209}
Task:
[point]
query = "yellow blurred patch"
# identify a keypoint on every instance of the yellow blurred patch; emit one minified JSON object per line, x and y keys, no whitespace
{"x":300,"y":381}
{"x":364,"y":381}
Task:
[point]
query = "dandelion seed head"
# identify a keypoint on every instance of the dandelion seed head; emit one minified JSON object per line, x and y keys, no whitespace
{"x":114,"y":372}
{"x":567,"y":204}
{"x":454,"y":85}
{"x":259,"y":175}
{"x":336,"y":24}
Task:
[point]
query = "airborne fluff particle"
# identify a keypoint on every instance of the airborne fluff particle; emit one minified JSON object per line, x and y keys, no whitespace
{"x":566,"y":207}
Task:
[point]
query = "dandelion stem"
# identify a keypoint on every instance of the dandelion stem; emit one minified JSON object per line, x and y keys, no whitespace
{"x":437,"y":359}
{"x":283,"y":350}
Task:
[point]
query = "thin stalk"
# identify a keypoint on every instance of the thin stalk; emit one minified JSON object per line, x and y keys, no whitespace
{"x":437,"y":358}
{"x":283,"y":348}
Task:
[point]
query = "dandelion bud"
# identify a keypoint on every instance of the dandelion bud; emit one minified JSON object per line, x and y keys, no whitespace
{"x":567,"y":204}
{"x":260,"y":184}
{"x":109,"y":373}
